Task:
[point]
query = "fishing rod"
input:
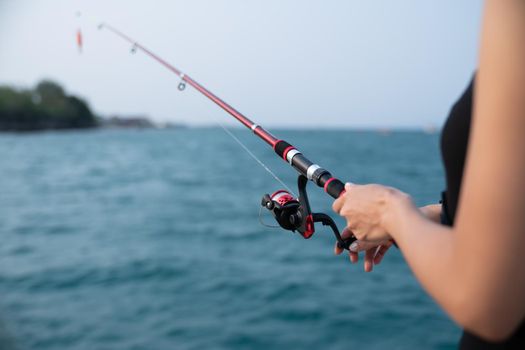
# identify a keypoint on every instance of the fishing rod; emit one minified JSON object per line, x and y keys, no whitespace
{"x":293,"y":214}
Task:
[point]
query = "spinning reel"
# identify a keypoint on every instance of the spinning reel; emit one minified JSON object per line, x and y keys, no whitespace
{"x":295,"y":214}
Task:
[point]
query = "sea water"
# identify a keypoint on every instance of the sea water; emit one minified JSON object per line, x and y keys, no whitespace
{"x":132,"y":239}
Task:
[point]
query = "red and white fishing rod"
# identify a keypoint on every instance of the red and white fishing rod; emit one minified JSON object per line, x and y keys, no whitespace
{"x":291,"y":214}
{"x":289,"y":153}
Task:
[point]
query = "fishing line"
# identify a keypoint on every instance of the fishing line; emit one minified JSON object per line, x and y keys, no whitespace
{"x":261,"y":163}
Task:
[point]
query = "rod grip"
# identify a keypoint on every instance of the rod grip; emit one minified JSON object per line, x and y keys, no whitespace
{"x":334,"y":188}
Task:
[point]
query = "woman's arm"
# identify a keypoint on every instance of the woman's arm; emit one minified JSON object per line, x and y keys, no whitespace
{"x":475,"y":270}
{"x":478,"y":272}
{"x":493,"y":195}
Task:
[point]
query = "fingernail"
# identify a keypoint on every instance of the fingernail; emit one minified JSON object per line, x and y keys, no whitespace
{"x":354,"y":247}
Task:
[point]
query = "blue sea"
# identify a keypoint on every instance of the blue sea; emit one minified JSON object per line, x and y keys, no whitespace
{"x":131,"y":239}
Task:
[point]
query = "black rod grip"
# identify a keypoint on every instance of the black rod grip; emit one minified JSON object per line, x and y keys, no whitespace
{"x":335,"y":188}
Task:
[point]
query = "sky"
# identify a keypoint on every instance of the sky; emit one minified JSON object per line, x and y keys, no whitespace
{"x":283,"y":63}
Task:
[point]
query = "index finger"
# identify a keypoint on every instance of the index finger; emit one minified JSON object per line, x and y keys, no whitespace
{"x":339,"y":202}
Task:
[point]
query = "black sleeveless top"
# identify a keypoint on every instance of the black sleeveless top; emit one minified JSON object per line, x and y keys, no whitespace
{"x":454,"y":142}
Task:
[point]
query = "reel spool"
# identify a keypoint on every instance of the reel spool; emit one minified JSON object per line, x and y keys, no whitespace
{"x":284,"y":208}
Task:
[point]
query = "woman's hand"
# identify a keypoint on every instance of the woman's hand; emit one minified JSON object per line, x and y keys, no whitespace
{"x":374,"y":252}
{"x":370,"y":210}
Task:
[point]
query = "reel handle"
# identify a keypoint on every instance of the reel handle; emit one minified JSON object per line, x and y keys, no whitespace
{"x":345,"y":243}
{"x":328,"y":221}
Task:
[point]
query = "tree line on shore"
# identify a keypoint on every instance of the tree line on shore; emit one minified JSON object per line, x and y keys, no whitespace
{"x":45,"y":107}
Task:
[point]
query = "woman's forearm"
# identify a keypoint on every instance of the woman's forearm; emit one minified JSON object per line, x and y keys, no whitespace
{"x":428,"y":248}
{"x":443,"y":264}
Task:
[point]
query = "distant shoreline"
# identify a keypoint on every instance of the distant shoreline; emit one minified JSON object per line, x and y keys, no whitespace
{"x":47,"y":107}
{"x":233,"y":127}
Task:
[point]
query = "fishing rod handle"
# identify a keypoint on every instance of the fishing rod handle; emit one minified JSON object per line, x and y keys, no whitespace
{"x":334,"y":187}
{"x":313,"y":172}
